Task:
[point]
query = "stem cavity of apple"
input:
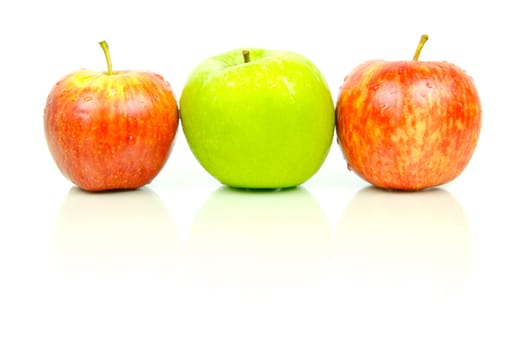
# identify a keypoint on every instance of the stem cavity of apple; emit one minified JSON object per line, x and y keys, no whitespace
{"x":106,"y":50}
{"x":246,"y":56}
{"x":423,"y":40}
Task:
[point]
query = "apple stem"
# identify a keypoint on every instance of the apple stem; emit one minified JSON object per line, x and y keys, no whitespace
{"x":106,"y":50}
{"x":246,"y":56}
{"x":423,"y":40}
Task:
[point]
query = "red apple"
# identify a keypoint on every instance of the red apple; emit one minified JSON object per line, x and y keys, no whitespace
{"x":408,"y":125}
{"x":110,"y":130}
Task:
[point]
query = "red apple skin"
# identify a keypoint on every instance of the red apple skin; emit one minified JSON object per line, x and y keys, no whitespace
{"x":111,"y":131}
{"x":408,"y":125}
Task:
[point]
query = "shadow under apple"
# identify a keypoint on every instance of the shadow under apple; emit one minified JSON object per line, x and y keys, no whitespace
{"x":115,"y":233}
{"x":259,"y":239}
{"x":420,"y":240}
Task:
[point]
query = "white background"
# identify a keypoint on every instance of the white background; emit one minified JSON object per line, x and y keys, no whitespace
{"x":187,"y":264}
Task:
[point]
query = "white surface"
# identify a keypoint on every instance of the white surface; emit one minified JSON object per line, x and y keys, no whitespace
{"x":186,"y":264}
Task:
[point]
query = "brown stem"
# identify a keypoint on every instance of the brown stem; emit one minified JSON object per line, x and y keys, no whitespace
{"x":246,"y":56}
{"x":423,"y":40}
{"x":106,"y":50}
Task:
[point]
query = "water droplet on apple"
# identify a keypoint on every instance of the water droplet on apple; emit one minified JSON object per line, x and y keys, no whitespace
{"x":374,"y":87}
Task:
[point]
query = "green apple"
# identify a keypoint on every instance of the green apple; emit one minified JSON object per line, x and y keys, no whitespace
{"x":256,"y":118}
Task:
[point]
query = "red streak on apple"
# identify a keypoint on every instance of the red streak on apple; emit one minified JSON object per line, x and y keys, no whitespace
{"x":110,"y":131}
{"x":408,"y":125}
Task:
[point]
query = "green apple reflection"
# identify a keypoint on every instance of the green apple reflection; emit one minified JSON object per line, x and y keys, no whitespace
{"x":259,"y":239}
{"x":418,"y":239}
{"x":115,"y":233}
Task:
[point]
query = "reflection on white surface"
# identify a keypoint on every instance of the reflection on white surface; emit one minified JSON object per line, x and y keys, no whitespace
{"x":115,"y":233}
{"x":406,"y":239}
{"x":259,"y":239}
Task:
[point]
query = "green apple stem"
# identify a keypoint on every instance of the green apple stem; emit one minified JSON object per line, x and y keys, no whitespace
{"x":246,"y":56}
{"x":106,"y":50}
{"x":423,"y":40}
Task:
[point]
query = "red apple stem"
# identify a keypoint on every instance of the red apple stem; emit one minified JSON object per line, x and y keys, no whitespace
{"x":423,"y":40}
{"x":246,"y":56}
{"x":106,"y":50}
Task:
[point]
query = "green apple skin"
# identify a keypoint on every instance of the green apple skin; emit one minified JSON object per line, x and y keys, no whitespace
{"x":263,"y":124}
